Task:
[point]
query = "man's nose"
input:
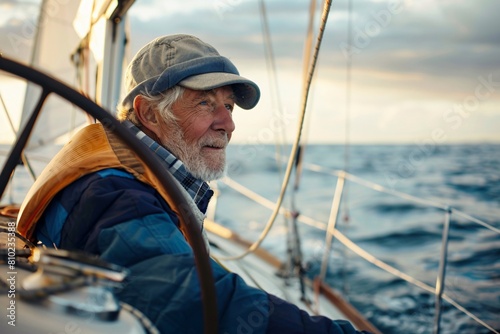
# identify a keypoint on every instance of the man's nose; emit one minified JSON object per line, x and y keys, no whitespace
{"x":224,"y":119}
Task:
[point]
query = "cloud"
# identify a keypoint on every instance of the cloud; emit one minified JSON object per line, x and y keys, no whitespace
{"x":151,"y":10}
{"x":410,"y":65}
{"x":448,"y":39}
{"x":424,"y":54}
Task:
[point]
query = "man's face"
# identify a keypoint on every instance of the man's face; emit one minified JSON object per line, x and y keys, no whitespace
{"x":203,"y":130}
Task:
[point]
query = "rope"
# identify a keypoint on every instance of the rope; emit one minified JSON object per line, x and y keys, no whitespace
{"x":270,"y":223}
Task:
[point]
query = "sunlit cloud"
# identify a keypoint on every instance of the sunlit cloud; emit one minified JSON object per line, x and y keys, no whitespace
{"x":155,"y":9}
{"x":410,"y":65}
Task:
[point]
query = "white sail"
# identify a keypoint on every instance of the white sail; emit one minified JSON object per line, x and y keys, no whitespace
{"x":73,"y":40}
{"x":55,"y":41}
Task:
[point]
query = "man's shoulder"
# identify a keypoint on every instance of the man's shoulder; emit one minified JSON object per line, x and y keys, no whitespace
{"x":102,"y":188}
{"x":107,"y":178}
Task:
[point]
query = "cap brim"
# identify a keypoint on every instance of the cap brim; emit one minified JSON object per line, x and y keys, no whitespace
{"x":247,"y":93}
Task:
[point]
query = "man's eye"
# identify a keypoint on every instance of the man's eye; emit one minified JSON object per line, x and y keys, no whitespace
{"x":204,"y":103}
{"x":229,"y":107}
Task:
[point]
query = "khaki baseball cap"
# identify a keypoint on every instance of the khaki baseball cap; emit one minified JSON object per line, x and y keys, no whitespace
{"x":187,"y":61}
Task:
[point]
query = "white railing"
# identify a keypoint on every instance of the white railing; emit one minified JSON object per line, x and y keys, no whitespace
{"x":332,"y":232}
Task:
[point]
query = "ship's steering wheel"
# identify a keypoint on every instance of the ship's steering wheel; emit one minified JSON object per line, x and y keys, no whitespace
{"x":176,"y":201}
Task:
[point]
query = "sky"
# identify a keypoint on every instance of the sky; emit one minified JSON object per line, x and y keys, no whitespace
{"x":421,"y":72}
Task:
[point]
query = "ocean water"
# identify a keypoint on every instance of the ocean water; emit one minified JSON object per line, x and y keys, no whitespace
{"x":402,"y":233}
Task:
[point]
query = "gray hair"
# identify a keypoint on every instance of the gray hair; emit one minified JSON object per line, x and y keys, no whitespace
{"x":162,"y":102}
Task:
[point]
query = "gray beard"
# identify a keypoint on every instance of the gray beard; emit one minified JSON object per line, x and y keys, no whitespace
{"x":189,"y":156}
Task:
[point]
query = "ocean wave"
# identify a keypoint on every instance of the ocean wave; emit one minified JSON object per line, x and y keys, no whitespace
{"x":397,"y":208}
{"x":406,"y":238}
{"x":471,"y":258}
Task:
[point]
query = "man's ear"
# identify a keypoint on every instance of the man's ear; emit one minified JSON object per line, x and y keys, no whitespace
{"x":146,"y":114}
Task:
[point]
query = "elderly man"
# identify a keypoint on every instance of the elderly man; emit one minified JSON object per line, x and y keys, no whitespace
{"x":97,"y":197}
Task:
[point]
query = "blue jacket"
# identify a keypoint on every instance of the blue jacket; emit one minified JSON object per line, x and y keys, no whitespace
{"x":128,"y":223}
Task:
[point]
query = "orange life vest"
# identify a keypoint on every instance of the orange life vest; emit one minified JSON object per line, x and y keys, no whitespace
{"x":92,"y":149}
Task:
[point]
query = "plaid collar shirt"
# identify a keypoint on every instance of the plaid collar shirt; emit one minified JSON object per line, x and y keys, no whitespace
{"x":198,"y":189}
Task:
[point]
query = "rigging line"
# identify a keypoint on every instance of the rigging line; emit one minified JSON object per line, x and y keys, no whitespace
{"x":376,"y":187}
{"x":253,"y":195}
{"x":295,"y":253}
{"x":475,"y":220}
{"x":365,"y":183}
{"x":390,"y":269}
{"x":8,"y":115}
{"x":381,"y":264}
{"x":276,"y":107}
{"x":28,"y":166}
{"x":35,"y":51}
{"x":306,"y":64}
{"x":351,"y":245}
{"x":408,"y":197}
{"x":470,"y":314}
{"x":271,"y":66}
{"x":255,"y":245}
{"x":29,"y":87}
{"x":81,"y":60}
{"x":23,"y":155}
{"x":347,"y":144}
{"x":20,"y":143}
{"x":322,"y":226}
{"x":426,"y":202}
{"x":348,"y":88}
